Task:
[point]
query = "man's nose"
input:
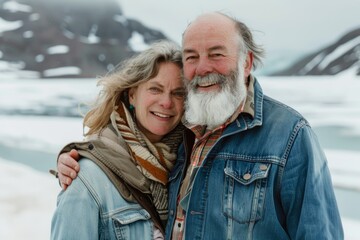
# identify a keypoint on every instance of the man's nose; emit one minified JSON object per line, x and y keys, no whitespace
{"x":204,"y":67}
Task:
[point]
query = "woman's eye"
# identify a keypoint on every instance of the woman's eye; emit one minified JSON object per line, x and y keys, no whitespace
{"x":155,"y":90}
{"x":179,"y":94}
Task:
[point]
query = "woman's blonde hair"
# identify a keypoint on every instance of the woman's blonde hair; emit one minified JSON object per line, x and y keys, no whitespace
{"x":130,"y":73}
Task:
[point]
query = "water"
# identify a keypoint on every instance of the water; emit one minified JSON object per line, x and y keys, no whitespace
{"x":348,"y":202}
{"x":337,"y":137}
{"x":39,"y":160}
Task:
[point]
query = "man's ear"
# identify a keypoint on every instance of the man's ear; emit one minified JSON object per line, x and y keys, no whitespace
{"x":248,"y":64}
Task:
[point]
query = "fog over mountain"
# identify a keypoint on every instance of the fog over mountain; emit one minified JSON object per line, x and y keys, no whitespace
{"x":343,"y":55}
{"x":67,"y":38}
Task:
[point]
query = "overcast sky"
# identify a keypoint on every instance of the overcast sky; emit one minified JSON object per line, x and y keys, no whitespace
{"x":279,"y":25}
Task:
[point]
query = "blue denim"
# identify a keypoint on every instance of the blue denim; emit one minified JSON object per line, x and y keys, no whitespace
{"x":265,"y":178}
{"x":92,"y":208}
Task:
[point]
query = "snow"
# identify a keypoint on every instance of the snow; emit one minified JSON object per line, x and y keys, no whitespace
{"x":137,"y":43}
{"x":338,"y":52}
{"x":319,"y":98}
{"x":28,"y":34}
{"x":4,"y":65}
{"x":58,"y":49}
{"x":91,"y":38}
{"x":13,"y":6}
{"x":39,"y":58}
{"x":310,"y":65}
{"x":9,"y":26}
{"x":33,"y":94}
{"x":33,"y":132}
{"x":121,"y":19}
{"x":62,"y":71}
{"x":68,"y":34}
{"x":34,"y":17}
{"x":342,"y":175}
{"x":27,"y":201}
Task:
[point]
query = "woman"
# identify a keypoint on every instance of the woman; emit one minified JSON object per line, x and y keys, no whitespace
{"x":133,"y":133}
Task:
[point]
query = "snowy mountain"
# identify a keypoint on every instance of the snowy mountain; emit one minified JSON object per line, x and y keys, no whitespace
{"x":341,"y":56}
{"x":67,"y":38}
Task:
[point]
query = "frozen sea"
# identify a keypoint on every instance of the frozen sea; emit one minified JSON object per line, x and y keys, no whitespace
{"x":38,"y":117}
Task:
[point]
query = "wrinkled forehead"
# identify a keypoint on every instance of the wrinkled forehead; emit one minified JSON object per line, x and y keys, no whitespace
{"x":205,"y":41}
{"x":213,"y":29}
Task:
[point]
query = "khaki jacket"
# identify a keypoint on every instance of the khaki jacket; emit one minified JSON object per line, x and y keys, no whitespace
{"x":110,"y":152}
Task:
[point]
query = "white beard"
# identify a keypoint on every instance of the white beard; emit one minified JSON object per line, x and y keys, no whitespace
{"x":215,"y":108}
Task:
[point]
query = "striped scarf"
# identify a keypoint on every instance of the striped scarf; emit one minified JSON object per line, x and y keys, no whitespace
{"x":154,"y":160}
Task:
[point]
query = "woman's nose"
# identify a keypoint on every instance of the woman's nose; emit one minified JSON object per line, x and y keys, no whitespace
{"x":166,"y":100}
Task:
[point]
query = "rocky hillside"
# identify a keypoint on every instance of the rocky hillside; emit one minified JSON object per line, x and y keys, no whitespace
{"x":341,"y":56}
{"x":67,"y":38}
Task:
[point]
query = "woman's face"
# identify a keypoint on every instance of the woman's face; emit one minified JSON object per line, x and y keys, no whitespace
{"x":159,"y":102}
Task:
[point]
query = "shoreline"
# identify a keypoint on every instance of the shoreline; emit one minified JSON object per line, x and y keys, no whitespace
{"x":36,"y":159}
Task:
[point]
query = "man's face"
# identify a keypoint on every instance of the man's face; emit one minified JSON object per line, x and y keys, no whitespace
{"x":213,"y":71}
{"x":209,"y":50}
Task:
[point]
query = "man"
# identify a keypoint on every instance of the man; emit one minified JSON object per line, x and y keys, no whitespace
{"x":250,"y":167}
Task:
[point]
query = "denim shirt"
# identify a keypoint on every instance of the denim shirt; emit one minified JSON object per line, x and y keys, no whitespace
{"x":265,"y":178}
{"x":92,"y":208}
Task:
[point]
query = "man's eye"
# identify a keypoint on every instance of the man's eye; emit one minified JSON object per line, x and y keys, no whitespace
{"x":216,"y":55}
{"x":190,"y":58}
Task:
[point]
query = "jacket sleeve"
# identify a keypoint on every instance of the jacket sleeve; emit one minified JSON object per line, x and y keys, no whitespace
{"x":77,"y":213}
{"x":307,"y":193}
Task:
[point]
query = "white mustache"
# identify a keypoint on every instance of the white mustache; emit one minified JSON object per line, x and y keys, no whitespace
{"x":210,"y":79}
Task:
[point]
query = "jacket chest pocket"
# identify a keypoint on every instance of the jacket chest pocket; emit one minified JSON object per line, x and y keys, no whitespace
{"x":132,"y":224}
{"x":244,"y":190}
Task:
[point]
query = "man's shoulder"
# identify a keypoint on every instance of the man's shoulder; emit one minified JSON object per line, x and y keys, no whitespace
{"x":273,"y":106}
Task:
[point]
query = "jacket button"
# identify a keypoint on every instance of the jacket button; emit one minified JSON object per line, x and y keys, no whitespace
{"x":247,"y":176}
{"x":91,"y":147}
{"x":263,"y":167}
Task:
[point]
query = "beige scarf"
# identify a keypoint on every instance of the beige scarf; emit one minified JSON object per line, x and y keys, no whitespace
{"x":154,"y":161}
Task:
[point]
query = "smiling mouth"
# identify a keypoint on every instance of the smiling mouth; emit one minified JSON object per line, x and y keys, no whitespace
{"x":161,"y":115}
{"x":205,"y":85}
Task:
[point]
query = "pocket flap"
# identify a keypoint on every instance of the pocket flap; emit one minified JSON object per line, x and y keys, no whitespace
{"x":131,"y":215}
{"x":245,"y":172}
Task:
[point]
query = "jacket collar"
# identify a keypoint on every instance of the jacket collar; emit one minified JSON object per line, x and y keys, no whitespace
{"x":245,"y":120}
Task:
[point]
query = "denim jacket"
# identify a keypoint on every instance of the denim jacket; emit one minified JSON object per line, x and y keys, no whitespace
{"x":265,"y":178}
{"x":93,"y":203}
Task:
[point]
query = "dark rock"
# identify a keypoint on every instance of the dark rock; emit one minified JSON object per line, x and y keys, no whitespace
{"x":88,"y":38}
